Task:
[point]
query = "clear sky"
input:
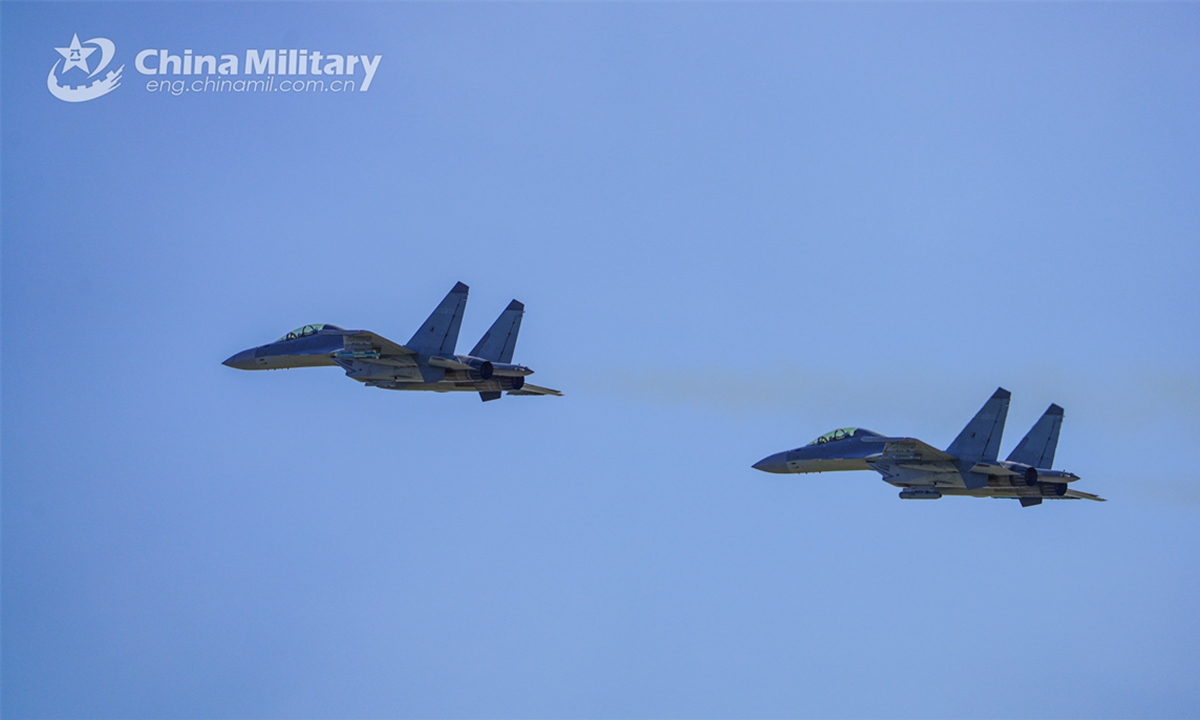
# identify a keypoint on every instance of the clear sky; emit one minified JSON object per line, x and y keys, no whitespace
{"x":735,"y":227}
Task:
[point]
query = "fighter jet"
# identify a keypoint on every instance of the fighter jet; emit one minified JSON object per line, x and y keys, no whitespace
{"x":968,"y":467}
{"x":426,"y":362}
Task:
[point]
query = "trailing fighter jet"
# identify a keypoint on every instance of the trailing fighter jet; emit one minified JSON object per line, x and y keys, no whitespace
{"x":426,"y":362}
{"x":968,"y":467}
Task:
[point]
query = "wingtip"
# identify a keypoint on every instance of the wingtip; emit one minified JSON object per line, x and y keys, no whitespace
{"x":460,"y":287}
{"x":516,"y":305}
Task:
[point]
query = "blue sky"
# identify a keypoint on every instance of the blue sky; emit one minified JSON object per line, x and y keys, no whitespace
{"x":735,"y":227}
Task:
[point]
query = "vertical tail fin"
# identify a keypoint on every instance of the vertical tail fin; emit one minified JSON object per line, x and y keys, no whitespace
{"x":439,"y":334}
{"x":499,"y":342}
{"x":979,"y":441}
{"x":1038,"y":446}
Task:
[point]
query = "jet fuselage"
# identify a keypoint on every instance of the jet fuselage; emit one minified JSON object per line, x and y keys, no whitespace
{"x":838,"y":450}
{"x":427,"y":362}
{"x":969,"y":466}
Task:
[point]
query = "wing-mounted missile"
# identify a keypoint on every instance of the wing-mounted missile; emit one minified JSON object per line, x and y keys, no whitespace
{"x":364,"y":341}
{"x":919,"y":493}
{"x":357,"y":355}
{"x":384,"y":369}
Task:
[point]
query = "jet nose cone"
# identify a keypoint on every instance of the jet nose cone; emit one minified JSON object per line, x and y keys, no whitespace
{"x":776,"y":463}
{"x":242,"y":361}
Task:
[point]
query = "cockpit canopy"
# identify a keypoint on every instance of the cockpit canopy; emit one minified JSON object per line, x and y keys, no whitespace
{"x":308,"y":330}
{"x":834,"y":436}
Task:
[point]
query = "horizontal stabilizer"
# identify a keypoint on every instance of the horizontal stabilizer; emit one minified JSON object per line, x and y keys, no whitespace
{"x":1078,"y":495}
{"x":500,"y":341}
{"x":528,"y":389}
{"x":979,"y":441}
{"x":1037,"y":448}
{"x":439,"y":334}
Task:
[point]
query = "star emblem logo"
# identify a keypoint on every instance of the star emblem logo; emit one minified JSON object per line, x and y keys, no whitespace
{"x":76,"y":55}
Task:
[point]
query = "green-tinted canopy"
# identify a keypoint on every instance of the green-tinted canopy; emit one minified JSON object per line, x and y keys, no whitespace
{"x":304,"y":331}
{"x":834,"y":436}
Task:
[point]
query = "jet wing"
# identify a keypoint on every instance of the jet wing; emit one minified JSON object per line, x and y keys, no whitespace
{"x":364,"y":341}
{"x":905,"y":449}
{"x":528,"y":389}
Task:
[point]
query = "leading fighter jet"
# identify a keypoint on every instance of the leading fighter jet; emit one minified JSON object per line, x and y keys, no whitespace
{"x":426,"y":362}
{"x":968,"y":467}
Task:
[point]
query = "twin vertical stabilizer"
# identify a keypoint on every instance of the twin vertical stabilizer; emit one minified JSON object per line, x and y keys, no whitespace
{"x":500,"y":341}
{"x":1037,"y":448}
{"x":439,"y":334}
{"x":979,"y":441}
